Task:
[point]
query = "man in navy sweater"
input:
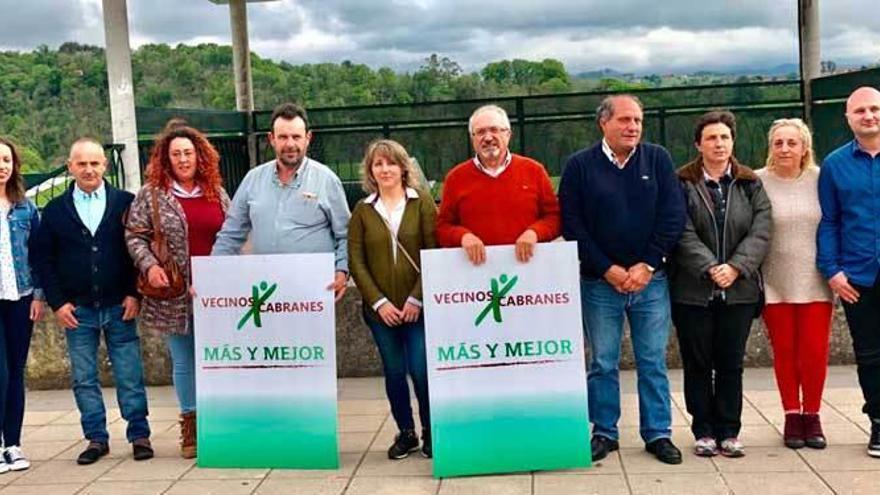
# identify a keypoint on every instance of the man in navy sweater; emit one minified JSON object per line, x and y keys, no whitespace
{"x":89,"y":282}
{"x":623,"y":205}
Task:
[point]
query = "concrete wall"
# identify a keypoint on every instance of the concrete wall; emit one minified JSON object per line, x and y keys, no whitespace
{"x":49,"y":367}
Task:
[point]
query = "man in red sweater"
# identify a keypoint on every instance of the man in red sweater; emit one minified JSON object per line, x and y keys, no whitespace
{"x":496,"y":197}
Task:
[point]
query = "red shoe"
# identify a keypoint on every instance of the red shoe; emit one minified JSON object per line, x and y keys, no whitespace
{"x":793,"y":434}
{"x":813,"y":435}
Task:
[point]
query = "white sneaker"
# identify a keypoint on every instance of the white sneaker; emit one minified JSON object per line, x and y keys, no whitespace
{"x":4,"y":468}
{"x":15,"y":459}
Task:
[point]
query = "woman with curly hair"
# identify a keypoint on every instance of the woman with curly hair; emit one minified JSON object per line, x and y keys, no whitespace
{"x":183,"y":182}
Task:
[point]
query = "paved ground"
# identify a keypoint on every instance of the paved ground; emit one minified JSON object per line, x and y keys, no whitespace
{"x":52,"y":440}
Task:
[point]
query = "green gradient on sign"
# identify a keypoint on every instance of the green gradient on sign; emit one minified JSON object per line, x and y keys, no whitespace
{"x":261,"y":432}
{"x":509,"y":435}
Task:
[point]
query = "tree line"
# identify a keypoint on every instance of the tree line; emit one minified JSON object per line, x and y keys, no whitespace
{"x":49,"y":95}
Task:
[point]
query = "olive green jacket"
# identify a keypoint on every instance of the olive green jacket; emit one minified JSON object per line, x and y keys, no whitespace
{"x":370,"y":258}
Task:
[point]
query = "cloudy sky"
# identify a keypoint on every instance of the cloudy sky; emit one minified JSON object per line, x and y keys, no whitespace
{"x":629,"y":35}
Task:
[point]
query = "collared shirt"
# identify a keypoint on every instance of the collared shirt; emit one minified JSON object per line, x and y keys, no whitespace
{"x":718,"y":191}
{"x":180,"y":192}
{"x":497,"y":170}
{"x":90,"y":206}
{"x":613,"y":158}
{"x":848,"y":238}
{"x":309,"y":214}
{"x":393,"y":219}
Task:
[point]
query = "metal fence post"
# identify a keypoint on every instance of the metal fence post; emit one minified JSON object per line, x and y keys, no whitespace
{"x":661,"y":117}
{"x":521,"y":124}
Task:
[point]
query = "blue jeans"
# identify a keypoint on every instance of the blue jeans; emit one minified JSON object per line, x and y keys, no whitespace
{"x":124,"y":350}
{"x":649,"y":317}
{"x":402,"y":349}
{"x":16,"y":328}
{"x":183,"y":369}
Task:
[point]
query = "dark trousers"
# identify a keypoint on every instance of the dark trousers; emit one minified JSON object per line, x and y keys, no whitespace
{"x":402,"y":349}
{"x":863,"y":318}
{"x":712,"y":340}
{"x":15,"y":340}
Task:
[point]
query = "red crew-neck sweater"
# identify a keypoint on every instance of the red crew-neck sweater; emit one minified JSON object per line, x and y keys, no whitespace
{"x":203,"y":220}
{"x":497,"y":209}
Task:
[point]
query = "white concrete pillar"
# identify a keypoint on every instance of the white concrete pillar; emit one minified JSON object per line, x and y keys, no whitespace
{"x":241,"y":61}
{"x":810,"y":48}
{"x":122,"y":114}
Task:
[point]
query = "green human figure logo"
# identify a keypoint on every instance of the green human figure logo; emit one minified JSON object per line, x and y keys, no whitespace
{"x":494,"y":305}
{"x":258,"y":300}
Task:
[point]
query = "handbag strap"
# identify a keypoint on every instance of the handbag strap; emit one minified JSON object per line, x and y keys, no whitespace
{"x":158,"y":234}
{"x":395,"y":239}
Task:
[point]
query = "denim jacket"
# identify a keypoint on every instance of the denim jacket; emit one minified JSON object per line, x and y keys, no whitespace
{"x":23,"y":222}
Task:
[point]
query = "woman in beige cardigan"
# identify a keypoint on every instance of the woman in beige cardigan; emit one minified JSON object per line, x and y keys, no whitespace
{"x":798,"y":310}
{"x":386,"y":232}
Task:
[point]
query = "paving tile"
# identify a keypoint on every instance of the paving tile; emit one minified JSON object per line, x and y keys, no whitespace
{"x":198,"y":473}
{"x":361,"y":423}
{"x":678,"y":484}
{"x":378,"y":464}
{"x":487,"y":485}
{"x":11,"y":477}
{"x":841,"y":458}
{"x":348,"y":464}
{"x":363,"y":407}
{"x":853,"y":483}
{"x":153,"y":469}
{"x":44,"y":451}
{"x":611,"y":484}
{"x":356,"y":441}
{"x":213,"y":487}
{"x":641,"y":462}
{"x":56,"y":471}
{"x":764,"y":435}
{"x":54,"y":433}
{"x":41,"y":418}
{"x":393,"y":486}
{"x":289,"y":486}
{"x":845,"y":434}
{"x":850,"y":395}
{"x":762,"y":460}
{"x":775,"y":483}
{"x":53,"y":489}
{"x":126,"y":487}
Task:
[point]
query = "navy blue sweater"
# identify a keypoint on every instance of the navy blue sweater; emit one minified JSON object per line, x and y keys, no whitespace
{"x":77,"y":267}
{"x":621,"y":217}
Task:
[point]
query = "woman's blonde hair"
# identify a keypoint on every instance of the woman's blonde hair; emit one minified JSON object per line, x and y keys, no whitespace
{"x":808,"y":159}
{"x":395,"y":153}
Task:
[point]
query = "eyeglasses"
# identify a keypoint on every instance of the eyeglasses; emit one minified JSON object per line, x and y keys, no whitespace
{"x":494,"y":130}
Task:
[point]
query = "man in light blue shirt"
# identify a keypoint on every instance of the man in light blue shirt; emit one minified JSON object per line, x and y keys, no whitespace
{"x":292,"y":204}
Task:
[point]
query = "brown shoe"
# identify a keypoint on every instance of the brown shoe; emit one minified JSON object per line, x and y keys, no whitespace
{"x":142,"y":449}
{"x":188,"y":435}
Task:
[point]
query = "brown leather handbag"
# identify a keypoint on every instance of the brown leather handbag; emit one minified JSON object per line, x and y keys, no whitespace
{"x":159,"y":247}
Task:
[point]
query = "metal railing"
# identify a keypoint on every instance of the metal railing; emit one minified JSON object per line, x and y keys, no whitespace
{"x":43,"y":187}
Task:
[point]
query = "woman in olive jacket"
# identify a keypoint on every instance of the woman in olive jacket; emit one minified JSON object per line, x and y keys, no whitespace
{"x":385,"y":235}
{"x":716,"y":282}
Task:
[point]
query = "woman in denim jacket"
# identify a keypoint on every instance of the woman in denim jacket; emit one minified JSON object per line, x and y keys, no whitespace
{"x":20,"y":302}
